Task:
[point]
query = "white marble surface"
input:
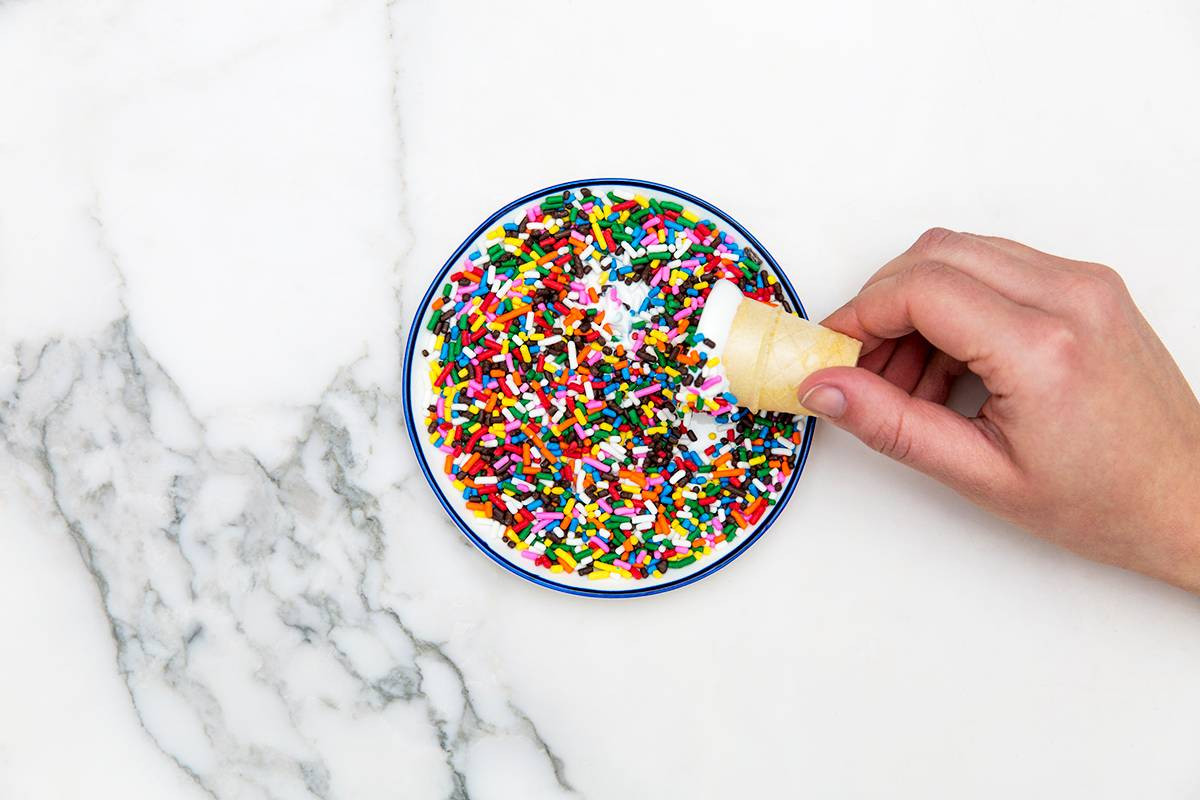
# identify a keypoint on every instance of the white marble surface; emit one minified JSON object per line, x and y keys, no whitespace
{"x":221,"y":575}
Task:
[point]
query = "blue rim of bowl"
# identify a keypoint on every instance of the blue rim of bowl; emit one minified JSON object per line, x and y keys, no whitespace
{"x":414,"y":433}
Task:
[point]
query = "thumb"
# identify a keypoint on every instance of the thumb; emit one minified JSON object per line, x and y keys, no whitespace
{"x":924,"y":435}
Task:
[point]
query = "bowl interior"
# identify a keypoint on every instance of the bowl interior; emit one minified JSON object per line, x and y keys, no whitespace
{"x":486,"y":534}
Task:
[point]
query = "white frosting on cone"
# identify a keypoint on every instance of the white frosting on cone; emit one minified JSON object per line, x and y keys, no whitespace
{"x":717,"y":317}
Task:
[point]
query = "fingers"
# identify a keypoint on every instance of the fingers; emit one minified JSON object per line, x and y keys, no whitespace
{"x":938,"y":378}
{"x":876,"y":358}
{"x":1019,"y":273}
{"x":956,"y":313}
{"x":907,"y":363}
{"x":927,"y":436}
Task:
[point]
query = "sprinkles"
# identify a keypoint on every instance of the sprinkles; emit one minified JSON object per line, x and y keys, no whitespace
{"x":569,"y":383}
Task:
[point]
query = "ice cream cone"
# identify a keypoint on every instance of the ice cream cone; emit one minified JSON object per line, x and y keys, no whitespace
{"x":769,"y":353}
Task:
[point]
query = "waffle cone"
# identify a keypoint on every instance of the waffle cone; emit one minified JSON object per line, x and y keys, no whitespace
{"x":770,"y":352}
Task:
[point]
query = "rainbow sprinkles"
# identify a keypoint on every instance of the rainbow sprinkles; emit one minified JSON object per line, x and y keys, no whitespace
{"x":568,"y":383}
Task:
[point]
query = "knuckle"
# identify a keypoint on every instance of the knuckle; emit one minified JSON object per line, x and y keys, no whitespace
{"x":1058,"y":347}
{"x":932,"y":240}
{"x":1097,"y":292}
{"x":930,"y":270}
{"x":930,"y":274}
{"x":1100,"y":271}
{"x":892,"y":438}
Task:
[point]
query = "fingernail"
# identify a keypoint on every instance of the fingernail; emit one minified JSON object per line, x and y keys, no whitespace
{"x":825,"y":401}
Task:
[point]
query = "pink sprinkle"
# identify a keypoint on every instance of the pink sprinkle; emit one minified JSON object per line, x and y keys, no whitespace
{"x":596,"y":542}
{"x":711,"y":382}
{"x":648,"y":390}
{"x":547,"y":515}
{"x":683,"y":312}
{"x":532,"y":556}
{"x":619,"y":563}
{"x":600,"y":465}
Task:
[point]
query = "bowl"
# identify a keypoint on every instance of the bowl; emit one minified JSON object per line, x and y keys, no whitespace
{"x":481,"y":532}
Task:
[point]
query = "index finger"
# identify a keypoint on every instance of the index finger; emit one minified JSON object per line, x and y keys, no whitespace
{"x":956,"y":313}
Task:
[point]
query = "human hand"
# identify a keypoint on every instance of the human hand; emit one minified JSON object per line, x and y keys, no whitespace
{"x":1091,"y":435}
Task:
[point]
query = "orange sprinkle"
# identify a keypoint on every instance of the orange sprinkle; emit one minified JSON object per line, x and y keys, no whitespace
{"x":516,"y":312}
{"x":634,"y":477}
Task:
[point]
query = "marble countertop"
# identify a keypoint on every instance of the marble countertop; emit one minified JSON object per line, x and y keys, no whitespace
{"x":222,"y":574}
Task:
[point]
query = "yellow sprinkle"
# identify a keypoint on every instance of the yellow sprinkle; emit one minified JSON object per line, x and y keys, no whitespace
{"x":689,"y":216}
{"x":600,"y":565}
{"x":597,"y":575}
{"x":496,"y":233}
{"x":641,"y":201}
